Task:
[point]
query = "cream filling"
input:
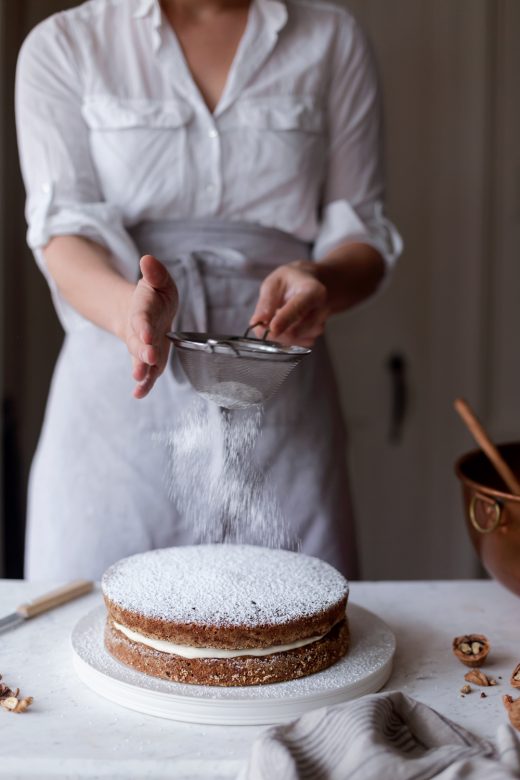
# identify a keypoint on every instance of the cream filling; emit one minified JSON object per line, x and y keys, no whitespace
{"x":209,"y":652}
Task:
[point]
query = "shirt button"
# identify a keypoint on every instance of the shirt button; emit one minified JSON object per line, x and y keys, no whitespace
{"x":210,"y":188}
{"x":212,"y":133}
{"x":46,"y":188}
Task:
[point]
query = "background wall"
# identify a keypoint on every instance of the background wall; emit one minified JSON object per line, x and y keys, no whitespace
{"x":444,"y":326}
{"x":30,"y":333}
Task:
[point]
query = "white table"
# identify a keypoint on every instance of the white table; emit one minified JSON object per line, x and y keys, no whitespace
{"x":69,"y":732}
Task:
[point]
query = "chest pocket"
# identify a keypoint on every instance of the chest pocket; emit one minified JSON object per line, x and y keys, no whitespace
{"x":281,"y":114}
{"x":282,"y":140}
{"x":110,"y":113}
{"x":133,"y":142}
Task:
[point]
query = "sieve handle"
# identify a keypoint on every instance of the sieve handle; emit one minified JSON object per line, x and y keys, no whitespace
{"x":257,"y":325}
{"x":212,"y":343}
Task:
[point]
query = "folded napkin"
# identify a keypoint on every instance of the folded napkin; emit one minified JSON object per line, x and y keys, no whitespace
{"x":386,"y":736}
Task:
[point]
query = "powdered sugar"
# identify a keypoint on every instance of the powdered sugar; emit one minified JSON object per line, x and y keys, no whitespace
{"x":215,"y":482}
{"x":233,"y":395}
{"x":224,"y":585}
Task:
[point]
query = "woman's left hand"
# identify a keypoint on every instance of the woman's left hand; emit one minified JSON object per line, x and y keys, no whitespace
{"x":293,"y":303}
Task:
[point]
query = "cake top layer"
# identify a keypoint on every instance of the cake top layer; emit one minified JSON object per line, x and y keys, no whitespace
{"x":224,"y":585}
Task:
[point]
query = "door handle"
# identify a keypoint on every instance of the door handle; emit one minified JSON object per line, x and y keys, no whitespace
{"x":397,"y":368}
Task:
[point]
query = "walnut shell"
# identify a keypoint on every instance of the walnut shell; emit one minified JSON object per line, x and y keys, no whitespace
{"x":513,"y":710}
{"x":471,"y":649}
{"x":515,"y":677}
{"x":478,"y":677}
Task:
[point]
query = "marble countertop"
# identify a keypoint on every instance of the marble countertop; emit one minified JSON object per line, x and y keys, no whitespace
{"x":70,"y":732}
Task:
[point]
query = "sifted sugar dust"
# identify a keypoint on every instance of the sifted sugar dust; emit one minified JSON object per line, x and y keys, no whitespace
{"x":233,"y":395}
{"x":214,"y":481}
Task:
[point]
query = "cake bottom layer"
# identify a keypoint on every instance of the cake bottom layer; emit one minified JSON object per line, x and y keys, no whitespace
{"x":242,"y":670}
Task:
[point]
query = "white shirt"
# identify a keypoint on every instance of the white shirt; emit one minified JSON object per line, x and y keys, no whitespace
{"x":113,"y":129}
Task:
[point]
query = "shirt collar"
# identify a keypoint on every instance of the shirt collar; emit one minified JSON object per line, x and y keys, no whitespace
{"x":274,"y":12}
{"x":147,"y":7}
{"x":151,"y":9}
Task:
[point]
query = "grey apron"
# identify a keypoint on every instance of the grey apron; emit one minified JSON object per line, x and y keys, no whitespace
{"x":98,"y":490}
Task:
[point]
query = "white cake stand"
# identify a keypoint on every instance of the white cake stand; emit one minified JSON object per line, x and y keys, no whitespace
{"x":365,"y":669}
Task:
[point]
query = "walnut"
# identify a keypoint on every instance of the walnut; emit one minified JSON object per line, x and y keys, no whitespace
{"x":5,"y":691}
{"x":9,"y":699}
{"x":478,"y":677}
{"x":471,"y":649}
{"x":466,"y":689}
{"x":513,"y":709}
{"x":515,"y":677}
{"x":13,"y":704}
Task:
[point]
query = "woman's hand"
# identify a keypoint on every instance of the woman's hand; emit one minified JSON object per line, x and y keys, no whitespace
{"x":297,"y":299}
{"x":152,"y":308}
{"x":293,"y":303}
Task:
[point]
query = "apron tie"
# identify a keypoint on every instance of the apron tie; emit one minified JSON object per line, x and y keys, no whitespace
{"x":189,"y":271}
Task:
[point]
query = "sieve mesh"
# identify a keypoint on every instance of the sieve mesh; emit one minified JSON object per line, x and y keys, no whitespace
{"x":235,"y":372}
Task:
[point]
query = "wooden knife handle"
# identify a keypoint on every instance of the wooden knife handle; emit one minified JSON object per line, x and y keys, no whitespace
{"x":55,"y":598}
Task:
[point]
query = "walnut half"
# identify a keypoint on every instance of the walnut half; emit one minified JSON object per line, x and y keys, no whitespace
{"x":513,"y":709}
{"x":13,"y":704}
{"x":515,"y":677}
{"x":479,"y":678}
{"x":10,"y":701}
{"x":471,"y":649}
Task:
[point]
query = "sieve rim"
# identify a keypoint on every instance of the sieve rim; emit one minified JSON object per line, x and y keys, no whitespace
{"x":236,"y":346}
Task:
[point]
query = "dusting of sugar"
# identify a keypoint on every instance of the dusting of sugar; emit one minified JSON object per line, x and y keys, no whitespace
{"x":214,"y":480}
{"x":224,"y":585}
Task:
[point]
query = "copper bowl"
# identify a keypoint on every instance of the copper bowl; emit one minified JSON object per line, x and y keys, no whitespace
{"x":492,"y":513}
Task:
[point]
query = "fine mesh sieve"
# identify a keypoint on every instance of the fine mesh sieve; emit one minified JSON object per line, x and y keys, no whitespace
{"x":235,"y":372}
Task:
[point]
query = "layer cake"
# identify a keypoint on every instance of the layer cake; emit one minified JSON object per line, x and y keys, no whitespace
{"x":225,"y":614}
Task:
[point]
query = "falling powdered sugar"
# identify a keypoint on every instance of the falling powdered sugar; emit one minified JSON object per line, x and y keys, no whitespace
{"x":215,"y":482}
{"x":233,"y":395}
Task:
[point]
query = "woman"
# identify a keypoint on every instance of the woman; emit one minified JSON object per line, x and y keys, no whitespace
{"x":238,"y":142}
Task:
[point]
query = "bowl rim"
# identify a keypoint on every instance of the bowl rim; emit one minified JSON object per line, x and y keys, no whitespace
{"x":500,"y":494}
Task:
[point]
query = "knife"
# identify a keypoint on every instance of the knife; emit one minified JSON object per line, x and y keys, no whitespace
{"x":46,"y":602}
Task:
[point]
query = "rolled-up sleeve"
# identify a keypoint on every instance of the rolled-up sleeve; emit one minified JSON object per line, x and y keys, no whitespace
{"x":63,"y":192}
{"x":353,"y":192}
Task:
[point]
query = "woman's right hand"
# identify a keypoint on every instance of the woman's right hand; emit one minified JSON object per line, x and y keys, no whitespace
{"x":153,"y":306}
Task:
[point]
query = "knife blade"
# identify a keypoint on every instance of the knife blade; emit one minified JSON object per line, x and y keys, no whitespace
{"x":10,"y":621}
{"x":46,"y":602}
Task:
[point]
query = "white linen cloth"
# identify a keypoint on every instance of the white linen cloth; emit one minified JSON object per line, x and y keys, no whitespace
{"x":113,"y":130}
{"x":387,"y":735}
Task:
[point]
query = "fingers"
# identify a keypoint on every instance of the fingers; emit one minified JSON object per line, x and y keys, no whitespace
{"x":144,"y":353}
{"x":146,"y":375}
{"x":305,"y":333}
{"x":156,"y":276}
{"x":139,"y":370}
{"x":305,"y":308}
{"x":290,"y":314}
{"x":152,"y":310}
{"x":292,"y":302}
{"x":145,"y":385}
{"x":154,"y":272}
{"x":141,"y":326}
{"x":270,"y":298}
